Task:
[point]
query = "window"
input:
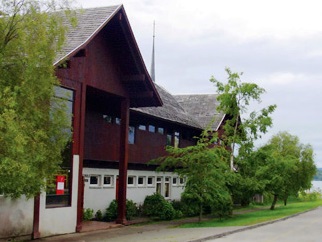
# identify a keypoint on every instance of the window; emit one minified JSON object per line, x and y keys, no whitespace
{"x":161,"y":130}
{"x":151,"y":128}
{"x":167,"y":187}
{"x":174,"y":181}
{"x":150,"y":181}
{"x":159,"y":185}
{"x":59,"y":187}
{"x":131,"y":181}
{"x":131,"y":135}
{"x":107,"y":118}
{"x":176,"y":139}
{"x":141,"y":181}
{"x":94,"y":181}
{"x":142,"y":127}
{"x":108,"y":181}
{"x":182,"y":180}
{"x":118,"y":121}
{"x":169,"y":139}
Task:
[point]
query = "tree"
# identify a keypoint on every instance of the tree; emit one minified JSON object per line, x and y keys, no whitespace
{"x":242,"y":128}
{"x":204,"y":168}
{"x":234,"y":99}
{"x":287,"y":166}
{"x":32,"y":130}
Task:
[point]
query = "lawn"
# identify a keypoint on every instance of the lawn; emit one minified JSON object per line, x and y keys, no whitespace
{"x":257,"y":215}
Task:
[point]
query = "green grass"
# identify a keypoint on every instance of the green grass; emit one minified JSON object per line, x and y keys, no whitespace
{"x":258,"y":215}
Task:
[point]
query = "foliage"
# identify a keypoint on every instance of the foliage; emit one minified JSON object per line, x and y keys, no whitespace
{"x":157,"y":207}
{"x":310,"y":196}
{"x":31,"y":134}
{"x":258,"y":215}
{"x":204,"y":167}
{"x":241,"y":129}
{"x":111,"y":211}
{"x":286,"y":166}
{"x":234,"y":98}
{"x":99,"y":215}
{"x":88,"y":214}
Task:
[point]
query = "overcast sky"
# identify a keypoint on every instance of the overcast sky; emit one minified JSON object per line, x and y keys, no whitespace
{"x":276,"y":44}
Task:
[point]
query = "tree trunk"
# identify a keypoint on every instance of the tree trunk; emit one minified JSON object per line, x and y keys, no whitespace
{"x":285,"y":201}
{"x":200,"y":212}
{"x":274,"y":202}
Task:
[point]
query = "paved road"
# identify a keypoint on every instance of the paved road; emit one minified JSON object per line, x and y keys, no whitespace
{"x":306,"y":227}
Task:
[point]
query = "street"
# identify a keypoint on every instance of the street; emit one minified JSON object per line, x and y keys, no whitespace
{"x":302,"y":228}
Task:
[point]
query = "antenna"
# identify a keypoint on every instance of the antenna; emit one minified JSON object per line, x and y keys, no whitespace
{"x":152,"y":72}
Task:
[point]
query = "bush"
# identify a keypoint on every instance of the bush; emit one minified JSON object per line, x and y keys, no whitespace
{"x":157,"y":207}
{"x":111,"y":211}
{"x":99,"y":215}
{"x":310,"y":196}
{"x":88,"y":214}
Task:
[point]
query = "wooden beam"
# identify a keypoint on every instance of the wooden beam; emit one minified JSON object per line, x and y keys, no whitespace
{"x":133,"y":78}
{"x":35,"y":227}
{"x":123,"y":162}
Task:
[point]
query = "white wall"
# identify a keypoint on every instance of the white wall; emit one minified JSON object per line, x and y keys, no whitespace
{"x":98,"y":197}
{"x":60,"y":220}
{"x":16,"y":217}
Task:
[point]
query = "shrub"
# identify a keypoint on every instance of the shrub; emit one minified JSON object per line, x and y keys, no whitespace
{"x":310,"y":196}
{"x":99,"y":215}
{"x":88,"y":214}
{"x":111,"y":211}
{"x":157,"y":207}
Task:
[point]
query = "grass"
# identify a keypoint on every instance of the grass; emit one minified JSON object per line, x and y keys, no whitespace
{"x":258,"y":215}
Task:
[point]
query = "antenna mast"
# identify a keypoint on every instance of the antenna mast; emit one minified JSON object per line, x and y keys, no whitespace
{"x":152,"y":72}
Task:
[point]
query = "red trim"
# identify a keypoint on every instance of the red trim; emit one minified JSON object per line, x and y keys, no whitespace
{"x":81,"y":134}
{"x":35,"y":228}
{"x":125,"y":113}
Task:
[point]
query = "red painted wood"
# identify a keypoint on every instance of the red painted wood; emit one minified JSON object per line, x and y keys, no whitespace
{"x":121,"y":218}
{"x":35,"y":228}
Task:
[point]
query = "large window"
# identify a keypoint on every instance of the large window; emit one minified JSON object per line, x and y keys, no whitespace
{"x":59,"y":187}
{"x":131,"y":135}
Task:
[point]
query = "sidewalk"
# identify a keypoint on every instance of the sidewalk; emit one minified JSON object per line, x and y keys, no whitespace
{"x":165,"y":231}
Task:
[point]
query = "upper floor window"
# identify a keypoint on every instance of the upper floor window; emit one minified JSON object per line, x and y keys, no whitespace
{"x":151,"y":128}
{"x":131,"y":135}
{"x":160,"y":130}
{"x":176,"y":139}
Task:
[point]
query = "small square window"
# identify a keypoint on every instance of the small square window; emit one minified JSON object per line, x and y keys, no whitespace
{"x":94,"y":180}
{"x":174,"y":180}
{"x":107,"y":118}
{"x":108,"y":181}
{"x":151,"y":128}
{"x":182,"y":180}
{"x":141,"y":181}
{"x":161,"y":130}
{"x":131,"y":181}
{"x":118,"y":121}
{"x":150,"y":181}
{"x":142,"y":127}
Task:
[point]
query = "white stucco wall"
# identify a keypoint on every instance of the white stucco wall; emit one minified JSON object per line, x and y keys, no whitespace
{"x":98,"y":197}
{"x":60,"y":220}
{"x":16,"y":217}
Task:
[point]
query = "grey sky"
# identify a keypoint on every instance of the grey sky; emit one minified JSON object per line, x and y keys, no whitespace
{"x":276,"y":44}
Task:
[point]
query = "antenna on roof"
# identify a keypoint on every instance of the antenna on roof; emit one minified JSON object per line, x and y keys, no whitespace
{"x":152,"y":72}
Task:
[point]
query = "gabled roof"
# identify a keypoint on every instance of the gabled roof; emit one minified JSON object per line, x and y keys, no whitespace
{"x":90,"y":22}
{"x":170,"y":111}
{"x":203,"y":108}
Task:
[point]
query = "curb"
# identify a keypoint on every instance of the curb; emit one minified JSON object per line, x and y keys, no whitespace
{"x":217,"y":236}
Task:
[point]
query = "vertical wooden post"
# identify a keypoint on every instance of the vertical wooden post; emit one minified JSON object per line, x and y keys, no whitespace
{"x":80,"y":196}
{"x":35,"y":228}
{"x":123,"y":162}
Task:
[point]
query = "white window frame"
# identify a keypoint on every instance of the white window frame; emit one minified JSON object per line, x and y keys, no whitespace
{"x":144,"y":181}
{"x":98,"y":180}
{"x":134,"y":181}
{"x":111,"y":179}
{"x":153,"y":181}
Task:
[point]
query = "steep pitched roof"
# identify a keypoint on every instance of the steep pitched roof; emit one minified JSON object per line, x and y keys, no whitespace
{"x":89,"y":23}
{"x":203,"y":108}
{"x":170,"y":111}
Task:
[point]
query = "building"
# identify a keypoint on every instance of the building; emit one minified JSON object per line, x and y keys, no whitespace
{"x":121,"y":120}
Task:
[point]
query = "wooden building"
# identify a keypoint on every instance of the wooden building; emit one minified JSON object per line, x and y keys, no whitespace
{"x":120,"y":120}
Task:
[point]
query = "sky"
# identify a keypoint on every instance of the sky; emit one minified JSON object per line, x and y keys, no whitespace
{"x":275,"y":44}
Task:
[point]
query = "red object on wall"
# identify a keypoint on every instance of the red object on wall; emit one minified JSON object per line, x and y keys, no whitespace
{"x":60,"y":184}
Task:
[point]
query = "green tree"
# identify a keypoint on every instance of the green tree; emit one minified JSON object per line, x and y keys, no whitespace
{"x":31,"y":128}
{"x":234,"y":99}
{"x":287,"y":166}
{"x":242,"y":128}
{"x":204,"y":169}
